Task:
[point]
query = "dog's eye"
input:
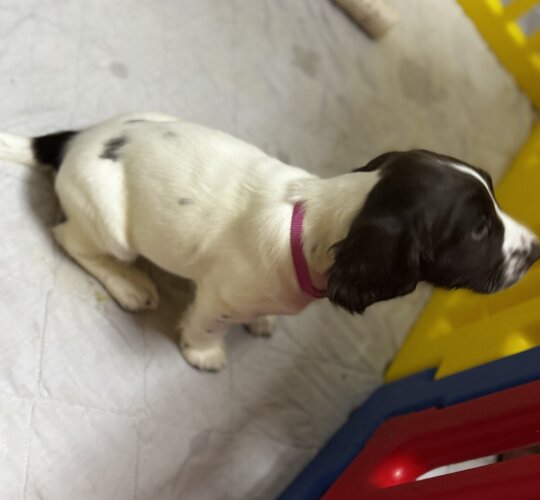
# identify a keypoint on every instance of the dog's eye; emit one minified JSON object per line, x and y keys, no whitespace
{"x":481,"y":230}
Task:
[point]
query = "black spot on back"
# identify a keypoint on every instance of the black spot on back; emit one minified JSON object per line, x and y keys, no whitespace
{"x":113,"y":147}
{"x":169,"y":134}
{"x":136,"y":121}
{"x":49,"y":149}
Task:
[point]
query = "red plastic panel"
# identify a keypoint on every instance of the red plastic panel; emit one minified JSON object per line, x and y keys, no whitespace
{"x":406,"y":447}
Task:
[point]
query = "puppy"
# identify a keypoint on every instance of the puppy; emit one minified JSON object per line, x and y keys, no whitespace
{"x":259,"y":237}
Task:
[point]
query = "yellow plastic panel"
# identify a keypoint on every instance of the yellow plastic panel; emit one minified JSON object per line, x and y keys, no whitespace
{"x":498,"y":26}
{"x":460,"y":330}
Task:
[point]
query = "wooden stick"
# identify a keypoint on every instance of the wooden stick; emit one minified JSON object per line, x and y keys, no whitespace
{"x":375,"y":17}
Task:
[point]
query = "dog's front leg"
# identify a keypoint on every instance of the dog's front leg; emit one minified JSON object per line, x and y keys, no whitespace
{"x":201,"y":332}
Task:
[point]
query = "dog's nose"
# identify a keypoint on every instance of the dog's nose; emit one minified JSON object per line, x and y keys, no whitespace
{"x":534,"y":254}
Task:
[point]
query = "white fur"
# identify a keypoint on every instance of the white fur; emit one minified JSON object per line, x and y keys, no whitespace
{"x":13,"y":148}
{"x":203,"y":205}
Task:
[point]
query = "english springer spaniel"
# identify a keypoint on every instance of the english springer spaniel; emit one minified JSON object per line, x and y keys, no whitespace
{"x":259,"y":237}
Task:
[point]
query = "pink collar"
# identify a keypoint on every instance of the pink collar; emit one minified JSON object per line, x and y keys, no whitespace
{"x":299,"y":261}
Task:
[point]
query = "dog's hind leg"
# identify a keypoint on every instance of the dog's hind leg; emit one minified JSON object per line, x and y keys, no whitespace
{"x":128,"y":285}
{"x":202,"y":329}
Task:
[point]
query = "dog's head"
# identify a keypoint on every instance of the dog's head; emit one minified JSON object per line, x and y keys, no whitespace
{"x":428,"y":218}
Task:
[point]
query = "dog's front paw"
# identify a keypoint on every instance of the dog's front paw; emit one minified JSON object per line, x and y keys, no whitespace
{"x":263,"y":326}
{"x":211,"y":358}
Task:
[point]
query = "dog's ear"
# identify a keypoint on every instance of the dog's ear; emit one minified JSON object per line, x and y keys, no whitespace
{"x":378,"y":260}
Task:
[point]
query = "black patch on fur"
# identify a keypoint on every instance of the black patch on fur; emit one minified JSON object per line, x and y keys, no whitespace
{"x":49,"y":149}
{"x":418,"y":224}
{"x":169,"y":134}
{"x":136,"y":121}
{"x":185,"y":201}
{"x":377,"y":163}
{"x":113,"y":147}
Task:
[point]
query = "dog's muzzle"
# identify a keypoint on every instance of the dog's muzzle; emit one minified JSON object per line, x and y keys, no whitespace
{"x":519,"y":263}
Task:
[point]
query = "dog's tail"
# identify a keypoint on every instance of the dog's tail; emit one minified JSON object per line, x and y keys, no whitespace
{"x":47,"y":150}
